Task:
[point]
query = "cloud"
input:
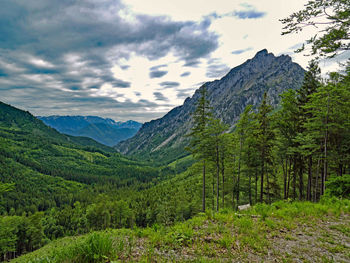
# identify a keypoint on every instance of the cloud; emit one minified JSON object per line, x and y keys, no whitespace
{"x":157,"y":74}
{"x":241,"y":51}
{"x":183,"y":94}
{"x":120,"y":83}
{"x":216,"y":69}
{"x":64,"y":52}
{"x":192,"y":63}
{"x":248,"y":14}
{"x":169,"y":84}
{"x":160,"y":96}
{"x":158,"y":67}
{"x":185,"y":74}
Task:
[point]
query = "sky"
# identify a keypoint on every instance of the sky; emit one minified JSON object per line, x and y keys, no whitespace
{"x":131,"y":59}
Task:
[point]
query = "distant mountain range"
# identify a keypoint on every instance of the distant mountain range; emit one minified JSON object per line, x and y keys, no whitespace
{"x":102,"y":130}
{"x":163,"y":139}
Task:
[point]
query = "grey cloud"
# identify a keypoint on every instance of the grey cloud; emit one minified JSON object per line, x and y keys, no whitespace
{"x":216,"y":69}
{"x":121,"y":84}
{"x":169,"y":84}
{"x":192,"y":63}
{"x":241,"y":51}
{"x":160,"y":96}
{"x":96,"y":37}
{"x":157,"y":74}
{"x":125,"y":67}
{"x":158,"y":67}
{"x":185,"y":74}
{"x":184,"y":93}
{"x":248,"y":14}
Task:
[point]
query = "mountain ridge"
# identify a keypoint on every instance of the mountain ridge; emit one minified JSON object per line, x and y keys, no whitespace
{"x":245,"y":84}
{"x":103,"y":130}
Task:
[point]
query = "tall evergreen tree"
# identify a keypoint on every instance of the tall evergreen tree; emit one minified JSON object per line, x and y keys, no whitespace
{"x":197,"y":146}
{"x":265,"y":137}
{"x":214,"y":140}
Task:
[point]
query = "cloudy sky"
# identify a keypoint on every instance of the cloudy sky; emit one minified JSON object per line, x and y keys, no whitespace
{"x":130,"y":59}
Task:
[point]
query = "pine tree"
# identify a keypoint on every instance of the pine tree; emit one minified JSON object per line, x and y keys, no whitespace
{"x":310,"y":85}
{"x":265,"y":137}
{"x":214,"y":140}
{"x":197,"y":146}
{"x":243,"y":130}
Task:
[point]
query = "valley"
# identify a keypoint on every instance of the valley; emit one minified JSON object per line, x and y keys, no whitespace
{"x":56,"y":185}
{"x":215,"y":163}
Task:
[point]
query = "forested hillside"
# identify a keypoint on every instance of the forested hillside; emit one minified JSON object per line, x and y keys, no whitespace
{"x":47,"y":177}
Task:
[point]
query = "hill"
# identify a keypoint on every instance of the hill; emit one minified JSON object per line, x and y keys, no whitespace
{"x":281,"y":232}
{"x":51,"y":169}
{"x":105,"y":131}
{"x":163,"y":139}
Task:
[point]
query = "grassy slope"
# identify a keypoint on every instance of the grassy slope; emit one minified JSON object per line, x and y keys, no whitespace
{"x":282,"y":232}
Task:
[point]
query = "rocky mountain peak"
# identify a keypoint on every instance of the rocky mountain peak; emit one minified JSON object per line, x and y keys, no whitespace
{"x":245,"y":84}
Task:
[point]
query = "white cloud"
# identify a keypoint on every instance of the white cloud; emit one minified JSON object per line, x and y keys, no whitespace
{"x":112,"y":47}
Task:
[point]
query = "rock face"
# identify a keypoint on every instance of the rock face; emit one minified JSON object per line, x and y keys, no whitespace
{"x":163,"y":139}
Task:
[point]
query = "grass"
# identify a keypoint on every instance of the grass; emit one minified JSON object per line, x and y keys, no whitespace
{"x":280,"y":232}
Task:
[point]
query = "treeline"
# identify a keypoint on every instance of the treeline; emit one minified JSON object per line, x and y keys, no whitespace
{"x":293,"y":151}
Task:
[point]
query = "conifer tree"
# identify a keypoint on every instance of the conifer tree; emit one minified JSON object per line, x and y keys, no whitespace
{"x":197,"y":146}
{"x":265,"y":137}
{"x":214,"y":140}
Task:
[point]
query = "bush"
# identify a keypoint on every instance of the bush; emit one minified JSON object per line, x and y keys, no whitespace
{"x":339,"y":186}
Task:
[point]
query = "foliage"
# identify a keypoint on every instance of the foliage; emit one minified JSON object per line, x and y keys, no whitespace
{"x":332,"y":20}
{"x":339,"y":186}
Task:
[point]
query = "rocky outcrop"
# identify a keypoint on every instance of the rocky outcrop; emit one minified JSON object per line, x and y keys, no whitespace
{"x":164,"y":139}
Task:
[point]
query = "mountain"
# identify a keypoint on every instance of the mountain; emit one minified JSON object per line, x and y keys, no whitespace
{"x":163,"y":139}
{"x":105,"y":131}
{"x":18,"y":120}
{"x":50,"y":169}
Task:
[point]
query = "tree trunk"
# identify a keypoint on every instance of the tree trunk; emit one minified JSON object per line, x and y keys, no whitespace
{"x":213,"y":201}
{"x":324,"y":177}
{"x":289,"y":176}
{"x":217,"y":178}
{"x":239,"y":173}
{"x":294,"y":177}
{"x":309,"y":180}
{"x":268,"y":188}
{"x":250,"y":188}
{"x":301,"y":179}
{"x":233,"y":183}
{"x":262,"y":178}
{"x":223,"y":177}
{"x":256,"y":184}
{"x":284,"y":179}
{"x":316,"y":183}
{"x":203,"y":190}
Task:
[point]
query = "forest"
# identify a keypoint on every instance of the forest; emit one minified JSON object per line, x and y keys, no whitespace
{"x":54,"y":186}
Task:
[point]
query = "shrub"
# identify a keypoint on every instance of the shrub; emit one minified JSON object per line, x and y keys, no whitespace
{"x":339,"y":186}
